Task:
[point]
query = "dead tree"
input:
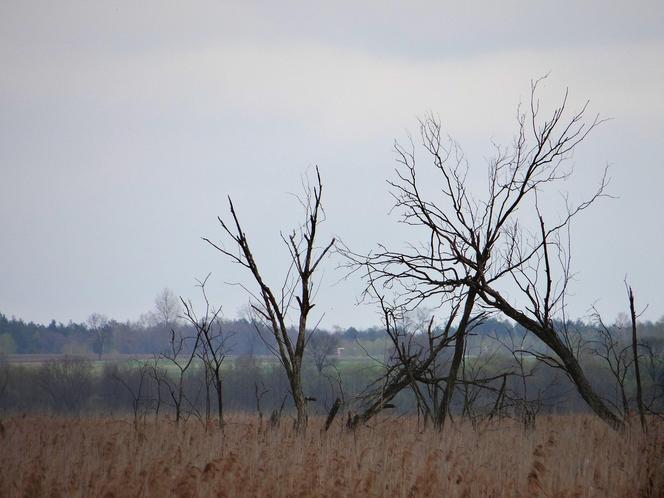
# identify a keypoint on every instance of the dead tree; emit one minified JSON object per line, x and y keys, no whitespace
{"x":417,"y":360}
{"x":501,"y":241}
{"x":133,"y":380}
{"x":167,"y":309}
{"x":98,"y":324}
{"x":332,"y":413}
{"x":621,"y":354}
{"x":68,"y":382}
{"x":635,"y":352}
{"x":159,"y":376}
{"x":614,"y":353}
{"x":477,"y":390}
{"x":410,"y":364}
{"x":258,"y":394}
{"x":214,"y":344}
{"x":337,"y":389}
{"x":323,"y":345}
{"x":525,"y":404}
{"x":654,"y":368}
{"x":181,"y":358}
{"x":274,"y":307}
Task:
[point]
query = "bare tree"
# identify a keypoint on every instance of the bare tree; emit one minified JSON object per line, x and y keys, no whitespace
{"x":214,"y":343}
{"x":323,"y":345}
{"x":337,"y":389}
{"x":412,"y":364}
{"x":98,"y":324}
{"x":483,"y":384}
{"x":525,"y":402}
{"x":418,"y":360}
{"x":159,"y":375}
{"x":181,"y":357}
{"x":167,"y":308}
{"x":622,"y":352}
{"x":296,"y":293}
{"x":654,"y":368}
{"x":133,"y":379}
{"x":614,"y":353}
{"x":635,"y":352}
{"x":483,"y":247}
{"x":67,"y":382}
{"x":258,"y":394}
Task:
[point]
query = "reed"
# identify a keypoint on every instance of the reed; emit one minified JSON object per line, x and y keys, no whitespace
{"x":564,"y":456}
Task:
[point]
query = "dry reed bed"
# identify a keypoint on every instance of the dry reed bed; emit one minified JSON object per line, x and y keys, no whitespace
{"x":564,"y":456}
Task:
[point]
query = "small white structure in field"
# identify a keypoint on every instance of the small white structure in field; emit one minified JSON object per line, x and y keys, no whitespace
{"x":340,"y":352}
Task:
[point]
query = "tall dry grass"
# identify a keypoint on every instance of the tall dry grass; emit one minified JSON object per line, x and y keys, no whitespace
{"x":565,"y":456}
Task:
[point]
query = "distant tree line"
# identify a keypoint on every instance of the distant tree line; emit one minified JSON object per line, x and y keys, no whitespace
{"x":78,"y":339}
{"x":142,"y":337}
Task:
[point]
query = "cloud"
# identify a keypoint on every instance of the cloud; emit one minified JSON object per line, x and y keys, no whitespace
{"x":350,"y":94}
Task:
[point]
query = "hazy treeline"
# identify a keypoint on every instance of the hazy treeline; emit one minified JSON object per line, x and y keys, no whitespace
{"x":149,"y":336}
{"x":141,"y":337}
{"x":255,"y":382}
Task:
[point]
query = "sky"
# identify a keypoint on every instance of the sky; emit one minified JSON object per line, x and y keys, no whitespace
{"x":125,"y":125}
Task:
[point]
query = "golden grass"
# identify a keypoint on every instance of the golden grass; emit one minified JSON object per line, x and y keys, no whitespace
{"x":565,"y":456}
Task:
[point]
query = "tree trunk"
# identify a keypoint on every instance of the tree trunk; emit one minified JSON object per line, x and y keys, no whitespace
{"x":299,"y":401}
{"x":332,"y":413}
{"x":301,"y":407}
{"x":586,"y":391}
{"x":548,"y":335}
{"x":459,"y":348}
{"x":208,"y":405}
{"x":220,"y":403}
{"x":376,"y":407}
{"x":637,"y":371}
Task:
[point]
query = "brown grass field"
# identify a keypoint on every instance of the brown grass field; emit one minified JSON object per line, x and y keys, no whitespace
{"x":564,"y":456}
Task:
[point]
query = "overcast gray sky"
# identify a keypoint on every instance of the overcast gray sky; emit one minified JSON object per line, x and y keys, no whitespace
{"x":124,"y":125}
